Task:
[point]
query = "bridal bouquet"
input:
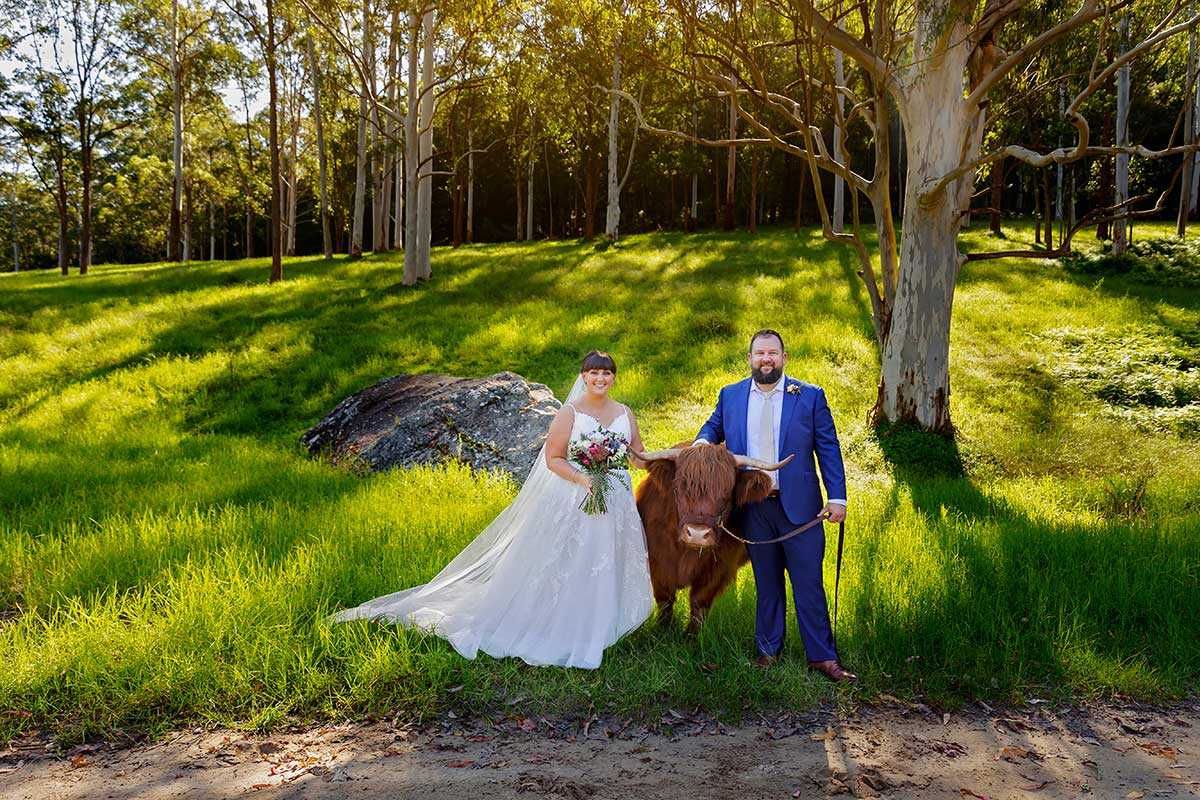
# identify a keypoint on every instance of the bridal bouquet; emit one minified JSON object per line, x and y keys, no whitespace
{"x":599,"y":454}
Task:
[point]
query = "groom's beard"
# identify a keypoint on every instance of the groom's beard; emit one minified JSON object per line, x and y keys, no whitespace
{"x":767,"y":376}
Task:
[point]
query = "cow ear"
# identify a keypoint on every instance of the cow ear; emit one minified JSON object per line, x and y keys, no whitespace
{"x":663,"y":470}
{"x":752,"y":485}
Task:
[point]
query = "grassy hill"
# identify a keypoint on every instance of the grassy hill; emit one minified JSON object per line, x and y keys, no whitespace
{"x":167,"y":549}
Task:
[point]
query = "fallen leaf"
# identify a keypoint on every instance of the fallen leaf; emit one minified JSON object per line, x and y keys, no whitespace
{"x":455,"y":689}
{"x":478,"y":739}
{"x":527,"y":725}
{"x":260,"y":786}
{"x":1011,"y":754}
{"x":16,"y":712}
{"x":457,"y":764}
{"x":81,"y":761}
{"x":969,"y":793}
{"x":1161,"y":750}
{"x":824,"y":737}
{"x":1037,"y":787}
{"x":946,"y":718}
{"x":709,"y":667}
{"x":1135,"y":795}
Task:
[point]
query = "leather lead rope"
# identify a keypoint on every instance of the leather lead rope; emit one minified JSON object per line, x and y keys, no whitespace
{"x":837,"y":580}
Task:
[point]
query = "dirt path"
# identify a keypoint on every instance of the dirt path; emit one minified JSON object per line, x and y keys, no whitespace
{"x":898,"y":751}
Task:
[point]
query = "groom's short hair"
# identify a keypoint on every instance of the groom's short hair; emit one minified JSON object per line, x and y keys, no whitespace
{"x":766,"y":332}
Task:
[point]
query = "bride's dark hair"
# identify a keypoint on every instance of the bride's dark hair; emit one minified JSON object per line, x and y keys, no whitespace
{"x":598,"y":359}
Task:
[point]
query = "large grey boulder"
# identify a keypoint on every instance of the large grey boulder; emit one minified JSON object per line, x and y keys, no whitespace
{"x":497,"y":422}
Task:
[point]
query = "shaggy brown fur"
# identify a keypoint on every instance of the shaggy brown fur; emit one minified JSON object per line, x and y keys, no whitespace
{"x":700,"y":487}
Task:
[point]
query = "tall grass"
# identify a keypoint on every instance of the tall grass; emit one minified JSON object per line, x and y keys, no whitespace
{"x":167,"y":550}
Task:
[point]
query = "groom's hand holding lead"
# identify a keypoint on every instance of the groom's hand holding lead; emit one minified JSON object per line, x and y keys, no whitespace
{"x":834,"y":512}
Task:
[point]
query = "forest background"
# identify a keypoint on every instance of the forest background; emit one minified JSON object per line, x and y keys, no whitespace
{"x":166,"y":551}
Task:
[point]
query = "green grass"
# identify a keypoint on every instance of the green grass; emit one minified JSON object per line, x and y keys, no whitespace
{"x":167,"y":548}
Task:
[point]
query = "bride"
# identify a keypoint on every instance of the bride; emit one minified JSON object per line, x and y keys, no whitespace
{"x":545,"y":582}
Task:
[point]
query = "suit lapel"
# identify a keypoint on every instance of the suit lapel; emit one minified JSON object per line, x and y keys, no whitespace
{"x":742,"y":398}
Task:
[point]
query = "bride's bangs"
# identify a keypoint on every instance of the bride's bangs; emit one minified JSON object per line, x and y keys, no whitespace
{"x":598,"y":359}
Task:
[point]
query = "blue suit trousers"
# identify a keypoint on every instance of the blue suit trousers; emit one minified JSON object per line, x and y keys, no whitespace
{"x":801,"y":557}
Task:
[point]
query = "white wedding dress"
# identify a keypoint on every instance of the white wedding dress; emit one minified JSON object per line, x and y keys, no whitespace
{"x":544,"y":582}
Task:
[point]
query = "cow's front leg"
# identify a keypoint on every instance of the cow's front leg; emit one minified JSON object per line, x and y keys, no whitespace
{"x":664,"y":598}
{"x":706,"y":588}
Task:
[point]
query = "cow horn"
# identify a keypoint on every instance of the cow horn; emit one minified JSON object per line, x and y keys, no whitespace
{"x":746,"y":461}
{"x":657,"y":455}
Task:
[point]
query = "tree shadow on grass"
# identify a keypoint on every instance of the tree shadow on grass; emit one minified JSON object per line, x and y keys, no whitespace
{"x":997,"y":603}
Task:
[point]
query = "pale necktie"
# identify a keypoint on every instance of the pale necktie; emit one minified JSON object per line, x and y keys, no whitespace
{"x":766,"y":430}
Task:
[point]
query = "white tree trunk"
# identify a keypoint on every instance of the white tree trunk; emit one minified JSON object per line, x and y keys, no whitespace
{"x":731,"y":159}
{"x":529,"y":186}
{"x":612,"y":217}
{"x":376,"y":145}
{"x":187,"y":230}
{"x":411,"y":146}
{"x":1120,"y":226}
{"x":1189,"y":124}
{"x":176,"y":119}
{"x":1058,"y":171}
{"x":293,"y":181}
{"x":470,"y":184}
{"x":360,"y":163}
{"x":549,"y":191}
{"x":915,"y":377}
{"x":425,"y":185}
{"x":694,"y":211}
{"x":1192,"y":204}
{"x":323,"y":166}
{"x":398,"y":201}
{"x":839,"y":183}
{"x":16,"y":245}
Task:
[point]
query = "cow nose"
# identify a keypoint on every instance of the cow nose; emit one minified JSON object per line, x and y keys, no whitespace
{"x":697,"y":535}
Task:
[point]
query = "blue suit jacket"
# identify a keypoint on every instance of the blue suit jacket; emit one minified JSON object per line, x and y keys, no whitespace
{"x":805,"y":429}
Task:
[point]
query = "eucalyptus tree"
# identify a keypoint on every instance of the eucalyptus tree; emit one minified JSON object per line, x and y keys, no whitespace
{"x":935,"y":62}
{"x":318,"y":113}
{"x":596,"y":48}
{"x":433,"y":66}
{"x":80,"y":48}
{"x":184,"y":54}
{"x":267,"y":24}
{"x":40,"y":118}
{"x":252,"y":134}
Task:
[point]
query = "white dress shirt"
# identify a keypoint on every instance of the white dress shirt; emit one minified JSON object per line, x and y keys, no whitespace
{"x":754,"y":410}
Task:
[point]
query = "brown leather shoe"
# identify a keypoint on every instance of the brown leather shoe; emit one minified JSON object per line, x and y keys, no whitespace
{"x":833,"y":670}
{"x":766,"y":662}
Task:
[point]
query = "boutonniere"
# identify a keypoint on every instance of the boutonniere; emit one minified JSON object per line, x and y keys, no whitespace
{"x":793,"y":388}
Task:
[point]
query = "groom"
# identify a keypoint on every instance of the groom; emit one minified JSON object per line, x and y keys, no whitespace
{"x":770,"y":416}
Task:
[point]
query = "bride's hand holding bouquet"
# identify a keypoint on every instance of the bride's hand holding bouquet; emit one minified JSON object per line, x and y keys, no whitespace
{"x":600,"y":454}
